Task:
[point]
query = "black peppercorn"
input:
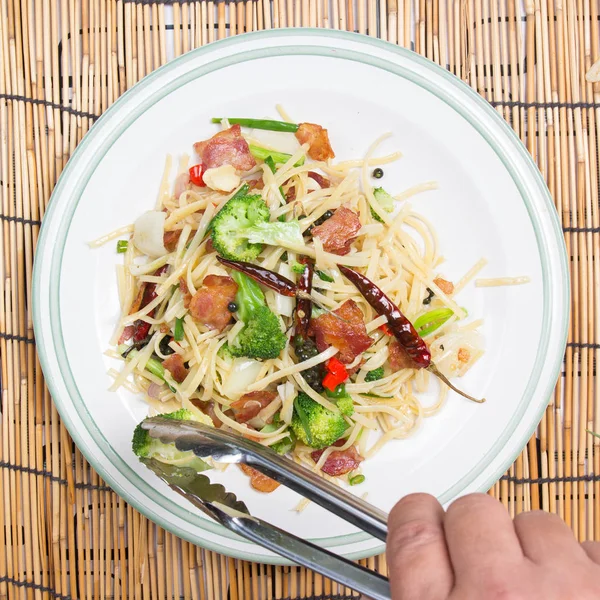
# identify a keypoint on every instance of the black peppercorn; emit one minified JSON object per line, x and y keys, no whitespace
{"x":232,"y":307}
{"x":378,"y":173}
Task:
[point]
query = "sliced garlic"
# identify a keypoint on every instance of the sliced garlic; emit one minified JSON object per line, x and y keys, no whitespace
{"x":221,"y":179}
{"x":148,"y":233}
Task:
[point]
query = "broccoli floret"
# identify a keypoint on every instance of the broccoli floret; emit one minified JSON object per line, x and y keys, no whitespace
{"x":225,"y":352}
{"x":315,"y":425}
{"x":343,"y":400}
{"x":385,"y":201}
{"x":375,"y":374}
{"x":346,"y":405}
{"x":242,"y":226}
{"x":262,"y":336}
{"x":145,"y":446}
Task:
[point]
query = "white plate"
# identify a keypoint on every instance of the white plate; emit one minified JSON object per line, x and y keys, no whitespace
{"x":492,"y":202}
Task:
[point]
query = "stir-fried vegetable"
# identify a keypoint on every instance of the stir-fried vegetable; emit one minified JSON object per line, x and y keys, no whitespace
{"x":145,"y":446}
{"x":196,"y":176}
{"x":356,"y":479}
{"x":268,"y":124}
{"x":384,"y":200}
{"x":262,"y":337}
{"x":278,"y":157}
{"x":178,"y":331}
{"x":122,"y":246}
{"x":343,"y":399}
{"x":374,"y":375}
{"x":315,"y":425}
{"x":430,"y":321}
{"x":242,"y":226}
{"x":337,"y":374}
{"x":324,"y":277}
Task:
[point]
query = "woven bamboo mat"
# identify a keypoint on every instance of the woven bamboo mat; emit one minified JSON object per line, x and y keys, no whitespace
{"x":63,"y":533}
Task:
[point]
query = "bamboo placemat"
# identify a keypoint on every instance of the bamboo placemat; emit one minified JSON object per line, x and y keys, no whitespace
{"x":63,"y":533}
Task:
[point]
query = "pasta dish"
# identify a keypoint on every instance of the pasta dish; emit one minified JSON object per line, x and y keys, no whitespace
{"x":289,"y":298}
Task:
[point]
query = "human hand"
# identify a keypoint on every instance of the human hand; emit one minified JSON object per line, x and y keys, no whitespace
{"x":475,"y":551}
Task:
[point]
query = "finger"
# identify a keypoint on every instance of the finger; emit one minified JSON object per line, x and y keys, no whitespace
{"x":480,"y":536}
{"x":546,"y":539}
{"x":419,"y":565}
{"x":592,"y":549}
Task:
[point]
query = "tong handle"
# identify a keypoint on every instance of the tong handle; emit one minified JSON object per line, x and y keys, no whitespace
{"x":335,"y":499}
{"x":297,"y":550}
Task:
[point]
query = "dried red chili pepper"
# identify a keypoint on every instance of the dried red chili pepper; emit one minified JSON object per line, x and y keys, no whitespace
{"x":282,"y":285}
{"x":141,"y":328}
{"x":402,"y":329}
{"x":398,"y":324}
{"x":303,"y":304}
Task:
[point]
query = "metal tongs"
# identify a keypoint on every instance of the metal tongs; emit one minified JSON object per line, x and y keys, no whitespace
{"x":226,"y":509}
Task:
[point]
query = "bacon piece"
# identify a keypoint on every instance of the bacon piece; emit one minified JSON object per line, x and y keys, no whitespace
{"x":170,"y":239}
{"x":290,"y":195}
{"x":317,"y":139}
{"x":255,"y":184}
{"x":339,"y":462}
{"x":127,"y":334}
{"x":348,"y":333}
{"x":226,"y":148}
{"x":174,"y":364}
{"x":145,"y":295}
{"x":322,"y":181}
{"x":446,"y":286}
{"x":398,"y":358}
{"x":209,"y":304}
{"x":249,"y":405}
{"x":208,"y":408}
{"x":185,"y":292}
{"x":258,"y":481}
{"x":463,"y":355}
{"x":339,"y":231}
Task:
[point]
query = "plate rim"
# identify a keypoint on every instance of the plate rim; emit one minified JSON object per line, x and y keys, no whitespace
{"x":534,"y":178}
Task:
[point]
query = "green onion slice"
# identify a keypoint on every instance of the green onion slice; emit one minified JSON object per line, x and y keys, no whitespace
{"x":356,"y":479}
{"x":432,"y":320}
{"x":267,"y":124}
{"x":178,"y":332}
{"x":303,"y":420}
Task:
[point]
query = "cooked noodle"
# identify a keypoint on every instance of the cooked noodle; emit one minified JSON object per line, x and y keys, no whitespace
{"x":399,"y":251}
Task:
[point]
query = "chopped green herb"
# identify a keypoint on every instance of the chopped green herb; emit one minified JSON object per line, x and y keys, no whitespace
{"x":324,"y":277}
{"x":122,"y":246}
{"x":593,"y":433}
{"x":298,"y":268}
{"x":369,"y":395}
{"x":178,"y":333}
{"x":356,"y":479}
{"x":374,"y":375}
